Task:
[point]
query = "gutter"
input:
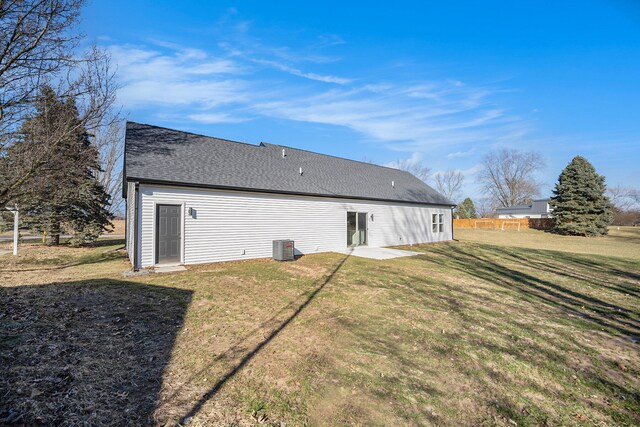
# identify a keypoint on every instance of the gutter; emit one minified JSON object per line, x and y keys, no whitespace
{"x":452,"y":238}
{"x":136,"y":226}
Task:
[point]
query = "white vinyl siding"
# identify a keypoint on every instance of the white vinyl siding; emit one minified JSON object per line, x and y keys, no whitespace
{"x":130,"y":208}
{"x":232,"y":225}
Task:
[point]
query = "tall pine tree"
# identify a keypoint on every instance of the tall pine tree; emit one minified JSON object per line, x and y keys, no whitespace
{"x":579,"y":204}
{"x":67,"y":193}
{"x":466,"y":209}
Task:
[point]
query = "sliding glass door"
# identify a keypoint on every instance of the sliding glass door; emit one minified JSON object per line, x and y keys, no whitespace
{"x":352,"y":228}
{"x":357,"y":228}
{"x":362,"y":228}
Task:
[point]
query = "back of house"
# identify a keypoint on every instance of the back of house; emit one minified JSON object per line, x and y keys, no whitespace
{"x":537,"y":209}
{"x":197,"y":199}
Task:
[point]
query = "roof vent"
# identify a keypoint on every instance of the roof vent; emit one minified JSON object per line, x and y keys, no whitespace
{"x":393,"y":184}
{"x":284,"y":154}
{"x":300,"y":171}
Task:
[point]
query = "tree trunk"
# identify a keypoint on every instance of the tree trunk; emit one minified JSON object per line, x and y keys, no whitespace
{"x":54,"y":239}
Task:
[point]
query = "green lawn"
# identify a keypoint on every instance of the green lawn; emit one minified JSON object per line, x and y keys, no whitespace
{"x":621,"y":241}
{"x":498,"y":328}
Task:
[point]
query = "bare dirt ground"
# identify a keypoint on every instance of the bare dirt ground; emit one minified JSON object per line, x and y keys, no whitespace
{"x":469,"y":333}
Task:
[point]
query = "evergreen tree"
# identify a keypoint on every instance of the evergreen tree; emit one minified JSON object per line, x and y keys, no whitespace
{"x":68,"y":195}
{"x":466,"y":209}
{"x":579,"y":204}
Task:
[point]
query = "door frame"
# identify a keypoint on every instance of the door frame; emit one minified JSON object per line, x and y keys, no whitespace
{"x":366,"y":226}
{"x":366,"y":229}
{"x":155,"y":228}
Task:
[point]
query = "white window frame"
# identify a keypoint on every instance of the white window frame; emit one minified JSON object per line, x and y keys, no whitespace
{"x":437,"y":223}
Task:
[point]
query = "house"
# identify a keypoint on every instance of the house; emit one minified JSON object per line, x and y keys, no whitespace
{"x":196,"y":199}
{"x":537,"y":209}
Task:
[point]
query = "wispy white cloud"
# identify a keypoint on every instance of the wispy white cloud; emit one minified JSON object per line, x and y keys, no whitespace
{"x":392,"y":113}
{"x":232,"y":83}
{"x":459,"y":154}
{"x":300,"y":73}
{"x":191,"y":78}
{"x":327,"y":40}
{"x":211,"y":118}
{"x":279,"y":58}
{"x":473,"y":170}
{"x":414,"y":160}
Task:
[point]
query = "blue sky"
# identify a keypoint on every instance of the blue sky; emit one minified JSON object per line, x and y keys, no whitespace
{"x":437,"y":82}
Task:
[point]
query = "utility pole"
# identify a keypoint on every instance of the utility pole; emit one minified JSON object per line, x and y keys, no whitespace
{"x":16,"y":233}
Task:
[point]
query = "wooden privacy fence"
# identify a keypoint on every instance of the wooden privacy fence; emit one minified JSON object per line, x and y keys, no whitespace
{"x":504,"y":223}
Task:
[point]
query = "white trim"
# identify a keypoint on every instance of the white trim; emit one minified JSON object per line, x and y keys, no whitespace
{"x":153,"y":234}
{"x":138,"y":225}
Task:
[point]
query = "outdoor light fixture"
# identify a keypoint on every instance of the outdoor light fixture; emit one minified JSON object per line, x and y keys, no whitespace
{"x":371,"y":217}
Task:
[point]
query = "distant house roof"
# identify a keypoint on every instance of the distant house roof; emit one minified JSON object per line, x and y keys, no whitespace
{"x":160,"y":155}
{"x":526,"y":207}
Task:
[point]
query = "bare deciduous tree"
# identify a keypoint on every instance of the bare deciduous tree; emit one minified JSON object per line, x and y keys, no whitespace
{"x":37,"y":48}
{"x":369,"y":160}
{"x":485,"y":207}
{"x":624,"y":198}
{"x":449,"y":184}
{"x":92,"y":89}
{"x":508,"y":176}
{"x":36,"y":42}
{"x":414,"y":167}
{"x":109,"y":139}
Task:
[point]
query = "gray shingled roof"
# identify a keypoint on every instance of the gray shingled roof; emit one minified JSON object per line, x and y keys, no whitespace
{"x":155,"y":154}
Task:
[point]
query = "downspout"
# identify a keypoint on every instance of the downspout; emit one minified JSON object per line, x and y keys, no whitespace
{"x":452,"y":208}
{"x":126,"y":224}
{"x":136,"y":226}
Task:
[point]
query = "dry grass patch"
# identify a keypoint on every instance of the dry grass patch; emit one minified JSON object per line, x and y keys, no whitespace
{"x":621,"y":241}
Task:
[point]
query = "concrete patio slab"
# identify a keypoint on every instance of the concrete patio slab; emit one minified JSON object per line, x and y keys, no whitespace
{"x":378,"y":253}
{"x":169,"y":268}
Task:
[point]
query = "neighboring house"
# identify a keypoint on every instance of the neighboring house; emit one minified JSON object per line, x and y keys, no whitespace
{"x":195,"y":199}
{"x":537,"y":209}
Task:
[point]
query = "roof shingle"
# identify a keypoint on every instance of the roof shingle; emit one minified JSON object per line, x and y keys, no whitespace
{"x":156,"y":154}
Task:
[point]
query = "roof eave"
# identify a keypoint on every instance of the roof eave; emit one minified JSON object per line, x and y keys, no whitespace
{"x":269,"y":191}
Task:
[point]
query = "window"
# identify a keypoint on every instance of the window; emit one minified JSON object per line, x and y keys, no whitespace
{"x":437,"y":223}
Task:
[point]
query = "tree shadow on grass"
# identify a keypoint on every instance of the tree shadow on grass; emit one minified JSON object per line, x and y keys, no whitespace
{"x":86,"y":353}
{"x":504,"y":334}
{"x":473,"y":261}
{"x":578,"y":267}
{"x":298,"y":307}
{"x":107,"y":241}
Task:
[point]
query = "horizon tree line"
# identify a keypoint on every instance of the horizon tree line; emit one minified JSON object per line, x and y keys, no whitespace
{"x":581,"y":201}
